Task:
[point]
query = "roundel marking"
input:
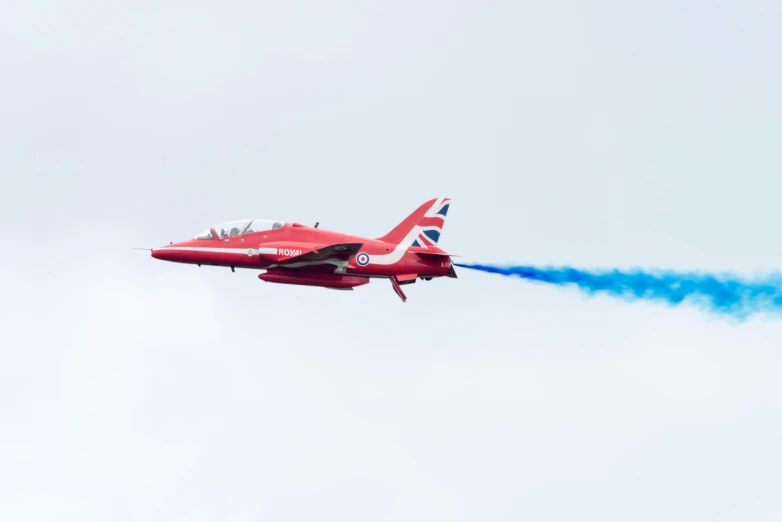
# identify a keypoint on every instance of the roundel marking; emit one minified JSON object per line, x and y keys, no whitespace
{"x":362,"y":259}
{"x":250,"y":252}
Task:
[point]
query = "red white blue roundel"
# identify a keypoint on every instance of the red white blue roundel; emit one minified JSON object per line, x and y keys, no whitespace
{"x":362,"y":259}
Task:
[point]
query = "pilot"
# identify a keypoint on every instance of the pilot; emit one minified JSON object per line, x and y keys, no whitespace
{"x":235,"y":231}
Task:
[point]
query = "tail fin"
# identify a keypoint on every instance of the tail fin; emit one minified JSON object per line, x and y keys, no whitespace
{"x":423,"y":227}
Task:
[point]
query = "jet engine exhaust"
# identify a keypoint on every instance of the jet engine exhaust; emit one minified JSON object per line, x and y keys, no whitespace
{"x":720,"y":294}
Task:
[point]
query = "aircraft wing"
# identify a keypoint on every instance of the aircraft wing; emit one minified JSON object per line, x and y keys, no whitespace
{"x":339,"y":251}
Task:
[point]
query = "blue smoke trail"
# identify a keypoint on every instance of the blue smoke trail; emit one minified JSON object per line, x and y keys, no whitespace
{"x":724,"y":295}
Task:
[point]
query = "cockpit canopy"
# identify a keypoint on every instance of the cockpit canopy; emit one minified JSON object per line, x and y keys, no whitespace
{"x":238,"y":227}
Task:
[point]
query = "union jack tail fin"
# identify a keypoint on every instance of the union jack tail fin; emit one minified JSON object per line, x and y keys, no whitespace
{"x":423,"y":227}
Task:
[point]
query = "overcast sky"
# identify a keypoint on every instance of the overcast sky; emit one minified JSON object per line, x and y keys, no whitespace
{"x":596,"y":134}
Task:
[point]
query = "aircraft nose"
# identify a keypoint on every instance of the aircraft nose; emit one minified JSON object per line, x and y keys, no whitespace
{"x":160,"y":253}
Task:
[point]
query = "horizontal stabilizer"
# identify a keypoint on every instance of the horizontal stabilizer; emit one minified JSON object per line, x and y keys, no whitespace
{"x":435,"y":255}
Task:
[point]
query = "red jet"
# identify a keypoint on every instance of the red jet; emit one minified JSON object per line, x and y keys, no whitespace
{"x":296,"y":254}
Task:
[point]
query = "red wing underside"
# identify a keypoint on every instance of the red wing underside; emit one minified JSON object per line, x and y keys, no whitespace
{"x":317,"y":268}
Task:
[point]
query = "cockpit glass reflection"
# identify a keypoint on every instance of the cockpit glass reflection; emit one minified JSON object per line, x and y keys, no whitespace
{"x":239,"y":227}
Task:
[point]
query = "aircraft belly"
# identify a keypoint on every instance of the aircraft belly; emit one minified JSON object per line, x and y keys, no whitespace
{"x":323,"y":279}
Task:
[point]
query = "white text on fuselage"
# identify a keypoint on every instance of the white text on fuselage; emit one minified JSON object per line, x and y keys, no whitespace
{"x":288,"y":252}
